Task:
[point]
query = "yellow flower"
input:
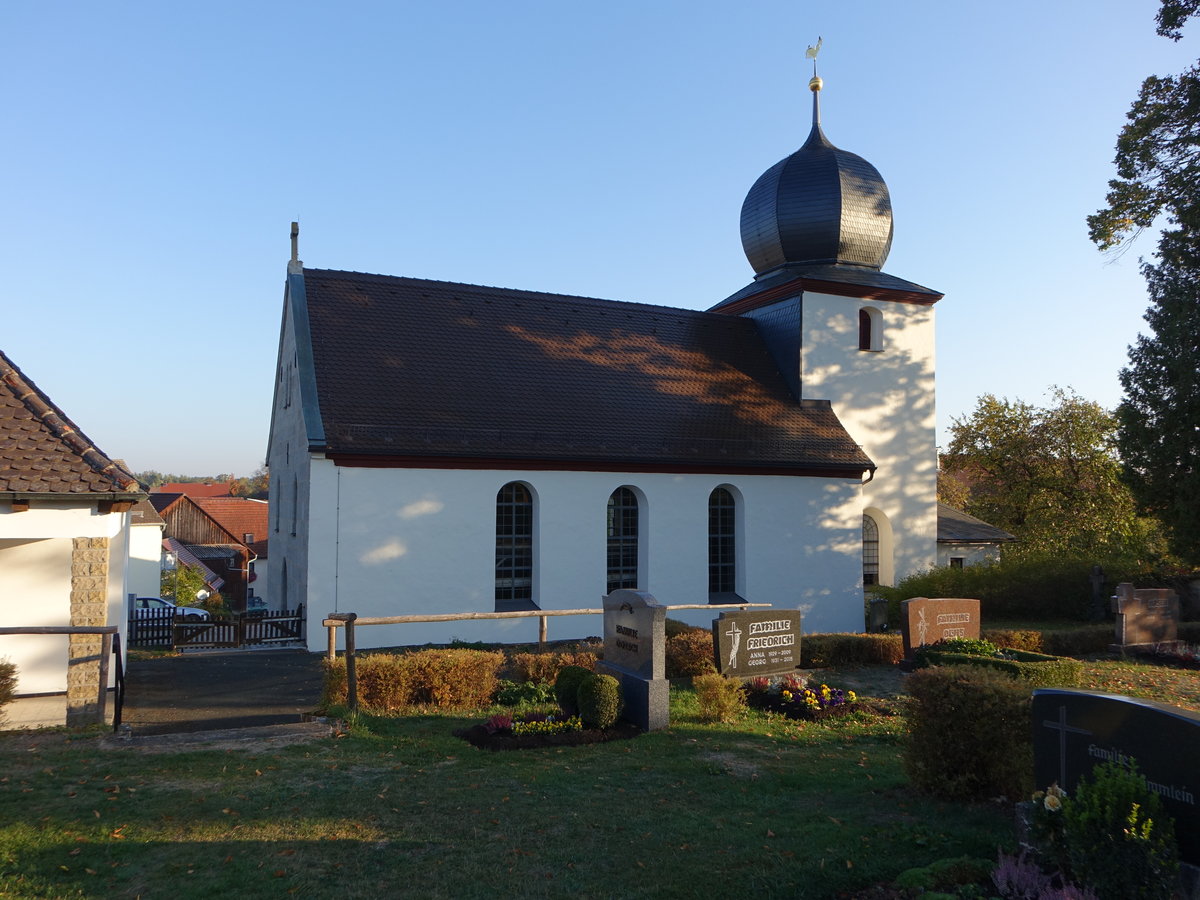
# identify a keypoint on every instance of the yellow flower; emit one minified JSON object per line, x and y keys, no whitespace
{"x":1053,"y":803}
{"x":853,"y":697}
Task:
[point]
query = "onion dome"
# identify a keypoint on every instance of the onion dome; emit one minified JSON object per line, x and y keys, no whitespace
{"x":819,"y":206}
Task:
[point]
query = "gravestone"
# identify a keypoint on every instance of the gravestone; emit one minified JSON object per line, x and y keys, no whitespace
{"x":635,"y":645}
{"x":925,"y":621}
{"x":1145,"y":617}
{"x":1074,"y":731}
{"x":749,"y":644}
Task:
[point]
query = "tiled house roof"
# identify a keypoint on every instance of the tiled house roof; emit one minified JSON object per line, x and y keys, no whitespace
{"x":956,"y":527}
{"x":240,"y":517}
{"x":409,"y":371}
{"x":42,"y":452}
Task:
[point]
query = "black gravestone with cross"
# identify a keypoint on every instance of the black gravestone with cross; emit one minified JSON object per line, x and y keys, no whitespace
{"x":1074,"y":731}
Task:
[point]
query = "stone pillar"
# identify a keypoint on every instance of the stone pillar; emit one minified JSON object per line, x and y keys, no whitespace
{"x":89,"y":606}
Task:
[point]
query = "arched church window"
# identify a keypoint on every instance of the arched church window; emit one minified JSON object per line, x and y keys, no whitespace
{"x":514,"y":548}
{"x":870,"y":551}
{"x":722,"y":543}
{"x":870,"y":329}
{"x":622,"y":540}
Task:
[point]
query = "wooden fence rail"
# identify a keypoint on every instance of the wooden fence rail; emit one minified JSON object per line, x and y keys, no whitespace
{"x":110,"y":643}
{"x":349,"y":620}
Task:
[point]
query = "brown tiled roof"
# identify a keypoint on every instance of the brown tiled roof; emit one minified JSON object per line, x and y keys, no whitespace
{"x":144,"y":513}
{"x":240,"y":517}
{"x":44,"y":452}
{"x":409,"y":369}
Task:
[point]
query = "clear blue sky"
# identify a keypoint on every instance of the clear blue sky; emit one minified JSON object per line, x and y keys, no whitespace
{"x":155,"y":154}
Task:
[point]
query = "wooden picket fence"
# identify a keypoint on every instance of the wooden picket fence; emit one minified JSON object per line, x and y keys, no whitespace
{"x":161,"y":629}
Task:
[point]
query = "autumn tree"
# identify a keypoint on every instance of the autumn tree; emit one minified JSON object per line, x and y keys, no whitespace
{"x":1049,"y":475}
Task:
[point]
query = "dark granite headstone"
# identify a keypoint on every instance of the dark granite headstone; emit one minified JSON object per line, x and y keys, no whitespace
{"x":1145,"y":616}
{"x":1073,"y":731}
{"x":749,"y":644}
{"x":635,"y":654}
{"x":924,"y":621}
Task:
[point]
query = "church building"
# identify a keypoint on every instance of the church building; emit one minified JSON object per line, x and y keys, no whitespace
{"x":447,"y":448}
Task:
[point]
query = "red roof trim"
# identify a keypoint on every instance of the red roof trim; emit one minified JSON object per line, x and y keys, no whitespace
{"x":366,"y":461}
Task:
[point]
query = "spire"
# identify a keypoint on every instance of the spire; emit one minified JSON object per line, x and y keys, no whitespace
{"x":815,"y":83}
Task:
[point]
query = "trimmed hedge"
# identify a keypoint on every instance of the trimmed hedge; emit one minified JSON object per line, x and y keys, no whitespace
{"x":819,"y":651}
{"x":599,"y":700}
{"x":543,"y":668}
{"x":1012,"y":639}
{"x":1086,"y":639}
{"x":393,"y":681}
{"x":690,"y":653}
{"x":566,"y":688}
{"x":969,"y":735}
{"x":8,"y":684}
{"x":1036,"y":669}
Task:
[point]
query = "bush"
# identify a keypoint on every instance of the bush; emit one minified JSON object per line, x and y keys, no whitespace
{"x":1081,"y":641}
{"x":543,"y":668}
{"x":945,"y":874}
{"x":8,"y":684}
{"x":820,"y":651}
{"x":969,"y":735}
{"x":1119,"y":840}
{"x":599,"y":700}
{"x":566,"y":688}
{"x":523,"y":693}
{"x":393,"y":681}
{"x":690,"y":653}
{"x":674,"y":627}
{"x":1037,"y":588}
{"x":1008,"y":639}
{"x":721,"y":699}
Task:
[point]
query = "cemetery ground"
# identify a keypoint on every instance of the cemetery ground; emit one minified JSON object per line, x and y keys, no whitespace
{"x":764,"y":806}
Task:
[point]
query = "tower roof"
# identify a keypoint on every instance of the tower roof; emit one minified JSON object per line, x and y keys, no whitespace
{"x":819,"y":206}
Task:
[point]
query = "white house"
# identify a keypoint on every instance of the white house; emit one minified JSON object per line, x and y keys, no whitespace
{"x":145,"y":550}
{"x":64,"y":543}
{"x":964,"y":540}
{"x":442,"y":447}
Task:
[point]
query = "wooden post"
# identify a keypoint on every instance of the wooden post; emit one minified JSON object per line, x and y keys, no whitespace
{"x":542,"y":632}
{"x":105,"y":653}
{"x":351,"y":675}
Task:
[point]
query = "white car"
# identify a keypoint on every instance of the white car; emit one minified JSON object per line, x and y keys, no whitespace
{"x":143,"y":605}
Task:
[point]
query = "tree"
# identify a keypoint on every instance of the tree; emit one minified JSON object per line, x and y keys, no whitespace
{"x":254,"y":487}
{"x":181,"y":584}
{"x":1158,"y":161}
{"x":1159,"y":418}
{"x":1158,"y":151}
{"x":1049,"y":475}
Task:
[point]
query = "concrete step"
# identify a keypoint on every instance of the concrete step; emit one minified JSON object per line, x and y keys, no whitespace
{"x":258,"y":736}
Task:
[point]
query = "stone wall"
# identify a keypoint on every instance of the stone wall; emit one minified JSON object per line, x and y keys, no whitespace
{"x":89,"y":606}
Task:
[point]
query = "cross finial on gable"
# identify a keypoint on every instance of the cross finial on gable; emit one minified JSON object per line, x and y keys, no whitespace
{"x":294,"y":264}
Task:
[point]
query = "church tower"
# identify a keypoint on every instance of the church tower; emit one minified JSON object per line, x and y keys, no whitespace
{"x":817,"y":228}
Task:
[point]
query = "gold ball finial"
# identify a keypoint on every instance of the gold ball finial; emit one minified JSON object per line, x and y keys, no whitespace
{"x":815,"y":83}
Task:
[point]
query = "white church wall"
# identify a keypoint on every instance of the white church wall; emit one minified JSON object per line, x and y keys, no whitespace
{"x":404,"y":541}
{"x":885,"y":399}
{"x":285,"y":571}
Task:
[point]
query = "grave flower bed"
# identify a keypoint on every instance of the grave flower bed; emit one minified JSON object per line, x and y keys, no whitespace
{"x":1176,"y":654}
{"x":530,"y":730}
{"x":793,"y":697}
{"x":1039,"y":669}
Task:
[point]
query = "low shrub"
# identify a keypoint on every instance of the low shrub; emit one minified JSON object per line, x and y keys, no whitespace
{"x":1013,"y":639}
{"x":1119,"y":839}
{"x":8,"y":684}
{"x":969,"y":736}
{"x":674,"y":627}
{"x":393,"y":681}
{"x":720,"y":698}
{"x":542,"y":668}
{"x":820,"y":651}
{"x":1082,"y":641}
{"x":599,"y":700}
{"x":523,"y":693}
{"x":690,"y":653}
{"x":945,"y":874}
{"x":566,"y":688}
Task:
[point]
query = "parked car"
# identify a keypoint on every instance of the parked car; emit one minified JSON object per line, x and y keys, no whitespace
{"x":142,"y":606}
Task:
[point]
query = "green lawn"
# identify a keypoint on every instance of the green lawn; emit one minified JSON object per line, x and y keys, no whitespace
{"x":765,"y":807}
